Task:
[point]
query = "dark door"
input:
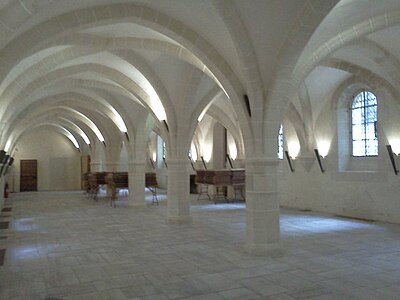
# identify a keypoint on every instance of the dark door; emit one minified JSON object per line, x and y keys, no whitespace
{"x":85,"y":168}
{"x":28,"y":180}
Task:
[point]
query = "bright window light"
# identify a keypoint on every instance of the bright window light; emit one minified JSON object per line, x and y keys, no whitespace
{"x":364,"y":116}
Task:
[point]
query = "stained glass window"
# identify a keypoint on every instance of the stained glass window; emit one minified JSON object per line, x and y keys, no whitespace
{"x":164,"y":150}
{"x":364,"y":120}
{"x":280,"y":142}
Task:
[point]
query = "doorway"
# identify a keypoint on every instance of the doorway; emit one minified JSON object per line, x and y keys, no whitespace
{"x":28,"y":177}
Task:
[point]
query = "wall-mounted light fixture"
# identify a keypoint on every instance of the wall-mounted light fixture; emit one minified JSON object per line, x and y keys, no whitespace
{"x":229,"y":161}
{"x":166,"y":125}
{"x":289,"y":159}
{"x":165,"y":162}
{"x":391,"y":155}
{"x":9,"y":164}
{"x":4,"y":163}
{"x":204,"y":162}
{"x":2,"y":160}
{"x":207,"y":151}
{"x":2,"y":155}
{"x":191,"y":162}
{"x":233,"y":151}
{"x":152,"y":163}
{"x":318,"y":155}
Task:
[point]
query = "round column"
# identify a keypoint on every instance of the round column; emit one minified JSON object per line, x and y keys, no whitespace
{"x":178,"y":192}
{"x":136,"y":181}
{"x":262,"y":206}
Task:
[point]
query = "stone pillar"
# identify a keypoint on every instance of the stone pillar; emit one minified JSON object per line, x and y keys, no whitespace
{"x":95,"y":166}
{"x":262,"y":206}
{"x":136,"y":179}
{"x":178,"y":192}
{"x":110,"y":167}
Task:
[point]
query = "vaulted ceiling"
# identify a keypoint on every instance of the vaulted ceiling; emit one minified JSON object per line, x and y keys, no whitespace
{"x":108,"y":66}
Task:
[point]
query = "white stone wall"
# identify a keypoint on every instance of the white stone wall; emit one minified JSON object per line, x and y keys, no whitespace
{"x":359,"y":187}
{"x":58,"y":161}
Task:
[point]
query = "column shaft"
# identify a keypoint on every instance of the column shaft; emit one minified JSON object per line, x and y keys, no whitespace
{"x":178,"y":191}
{"x":262,"y":206}
{"x":136,"y":179}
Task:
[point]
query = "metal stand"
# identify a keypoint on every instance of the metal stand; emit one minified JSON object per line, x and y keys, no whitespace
{"x":203,"y":190}
{"x":113,"y":197}
{"x":220,"y":194}
{"x":238,"y":188}
{"x":153,"y":190}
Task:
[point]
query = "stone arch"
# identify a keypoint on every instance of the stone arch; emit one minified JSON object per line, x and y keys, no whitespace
{"x":25,"y":128}
{"x":86,"y":44}
{"x":356,"y":32}
{"x":56,"y":75}
{"x":247,"y":58}
{"x":144,"y":16}
{"x":286,"y":77}
{"x":225,"y":121}
{"x":342,"y":100}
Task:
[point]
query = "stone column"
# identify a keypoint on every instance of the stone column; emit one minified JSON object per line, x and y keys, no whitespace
{"x":96,"y":166}
{"x":136,"y":179}
{"x":262,"y":206}
{"x":110,"y":167}
{"x":178,"y":191}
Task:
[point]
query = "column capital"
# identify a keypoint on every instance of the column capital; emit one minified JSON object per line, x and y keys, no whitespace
{"x":178,"y":160}
{"x":262,"y":160}
{"x":136,"y":163}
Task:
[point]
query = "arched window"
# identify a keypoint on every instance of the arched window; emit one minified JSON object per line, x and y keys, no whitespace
{"x":364,"y":118}
{"x":280,"y":142}
{"x":164,"y":150}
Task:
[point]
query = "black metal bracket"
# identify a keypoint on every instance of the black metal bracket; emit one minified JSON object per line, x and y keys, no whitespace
{"x":165,"y":162}
{"x":152,"y":163}
{"x":247,"y":103}
{"x":391,"y":155}
{"x":319,"y":160}
{"x":166,"y":125}
{"x":229,"y":160}
{"x":289,"y":160}
{"x":191,"y":162}
{"x":204,"y":163}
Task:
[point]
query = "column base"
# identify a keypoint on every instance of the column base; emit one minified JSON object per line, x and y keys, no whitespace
{"x":180,"y":220}
{"x":264,"y":249}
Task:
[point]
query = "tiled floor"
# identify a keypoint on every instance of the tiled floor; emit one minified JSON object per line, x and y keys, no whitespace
{"x":66,"y":246}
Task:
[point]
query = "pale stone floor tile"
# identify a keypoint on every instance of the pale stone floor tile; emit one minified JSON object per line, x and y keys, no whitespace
{"x":307,"y":293}
{"x":369,"y":294}
{"x":68,"y":246}
{"x":113,"y":294}
{"x":212,"y":296}
{"x":238,"y":294}
{"x":89,"y":296}
{"x":243,"y":273}
{"x":153,"y":297}
{"x":283,"y":296}
{"x":71,"y":290}
{"x":262,"y":286}
{"x":289,"y":281}
{"x":390,"y":292}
